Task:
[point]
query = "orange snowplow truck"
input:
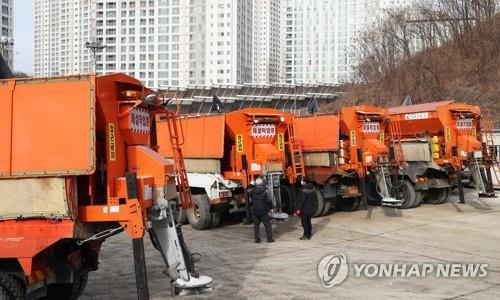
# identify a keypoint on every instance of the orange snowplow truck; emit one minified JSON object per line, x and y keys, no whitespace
{"x":224,"y":153}
{"x":76,"y":167}
{"x":345,"y":155}
{"x":439,"y":140}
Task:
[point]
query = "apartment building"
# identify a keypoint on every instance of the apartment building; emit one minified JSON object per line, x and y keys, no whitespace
{"x":6,"y":39}
{"x":202,"y":42}
{"x":319,"y":37}
{"x":172,"y":42}
{"x":266,"y":45}
{"x":62,"y":27}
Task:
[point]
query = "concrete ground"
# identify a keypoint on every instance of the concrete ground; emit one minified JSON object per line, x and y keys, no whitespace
{"x":286,"y":269}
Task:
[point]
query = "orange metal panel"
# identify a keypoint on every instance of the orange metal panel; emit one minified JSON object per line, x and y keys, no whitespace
{"x":24,"y":239}
{"x":441,"y":119}
{"x":6,"y":88}
{"x":147,"y":162}
{"x":318,"y":133}
{"x":203,"y":137}
{"x":432,"y":106}
{"x":52,"y":127}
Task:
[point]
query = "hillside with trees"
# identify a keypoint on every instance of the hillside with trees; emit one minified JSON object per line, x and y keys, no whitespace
{"x":444,"y":49}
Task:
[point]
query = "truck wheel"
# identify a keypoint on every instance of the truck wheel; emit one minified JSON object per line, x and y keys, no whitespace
{"x":327,"y":207}
{"x":418,"y":198}
{"x":406,"y":193}
{"x":183,"y":218}
{"x":215,"y":219}
{"x":348,"y":204}
{"x":10,"y":288}
{"x":437,"y":196}
{"x":320,"y":204}
{"x":68,"y":291}
{"x":199,"y":215}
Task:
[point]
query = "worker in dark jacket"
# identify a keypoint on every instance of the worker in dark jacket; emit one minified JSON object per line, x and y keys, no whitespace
{"x":262,"y":207}
{"x":306,"y":206}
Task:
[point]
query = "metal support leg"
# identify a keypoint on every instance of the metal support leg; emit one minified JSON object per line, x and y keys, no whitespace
{"x":364,"y":197}
{"x":140,"y":269}
{"x":168,"y":240}
{"x":395,"y":179}
{"x":479,"y":178}
{"x":382,"y":184}
{"x":141,"y":278}
{"x":248,"y":216}
{"x":460,"y":188}
{"x":274,"y":186}
{"x":489,"y":185}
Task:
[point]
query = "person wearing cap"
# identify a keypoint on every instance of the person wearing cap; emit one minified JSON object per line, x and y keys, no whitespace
{"x":306,"y":206}
{"x":261,"y":207}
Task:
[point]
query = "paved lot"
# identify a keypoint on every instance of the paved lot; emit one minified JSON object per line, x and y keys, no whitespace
{"x":467,"y":233}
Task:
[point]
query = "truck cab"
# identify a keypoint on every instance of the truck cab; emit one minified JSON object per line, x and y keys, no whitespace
{"x":439,"y":140}
{"x":235,"y":149}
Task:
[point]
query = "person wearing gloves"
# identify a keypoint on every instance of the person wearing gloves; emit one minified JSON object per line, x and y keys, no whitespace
{"x":262,"y":206}
{"x":306,"y":206}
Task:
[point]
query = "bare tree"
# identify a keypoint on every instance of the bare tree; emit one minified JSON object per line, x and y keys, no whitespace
{"x":428,"y":24}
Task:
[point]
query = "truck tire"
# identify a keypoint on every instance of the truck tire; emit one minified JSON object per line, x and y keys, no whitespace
{"x":68,"y":291}
{"x":10,"y":288}
{"x":437,"y":196}
{"x":418,"y":198}
{"x":327,"y":207}
{"x":348,"y":204}
{"x":199,"y":215}
{"x":183,"y":218}
{"x":215,"y":219}
{"x":320,"y":204}
{"x":406,"y":193}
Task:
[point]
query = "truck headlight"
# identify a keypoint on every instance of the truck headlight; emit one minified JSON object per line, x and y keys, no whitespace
{"x":478,"y":154}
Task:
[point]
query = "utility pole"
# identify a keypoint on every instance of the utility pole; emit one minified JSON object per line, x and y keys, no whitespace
{"x":95,"y":47}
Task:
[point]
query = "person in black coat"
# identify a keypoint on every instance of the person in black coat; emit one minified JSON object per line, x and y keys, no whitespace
{"x":306,"y":206}
{"x":261,"y":206}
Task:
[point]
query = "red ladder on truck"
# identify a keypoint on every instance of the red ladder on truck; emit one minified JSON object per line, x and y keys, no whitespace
{"x":180,"y":169}
{"x":395,"y":133}
{"x":295,"y":153}
{"x":489,"y":153}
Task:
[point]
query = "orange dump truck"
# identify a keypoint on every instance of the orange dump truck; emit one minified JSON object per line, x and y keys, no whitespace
{"x":439,"y":140}
{"x":224,"y":153}
{"x":76,"y":167}
{"x":343,"y":154}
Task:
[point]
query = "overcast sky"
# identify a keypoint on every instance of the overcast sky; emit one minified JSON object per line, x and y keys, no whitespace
{"x":23,"y":36}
